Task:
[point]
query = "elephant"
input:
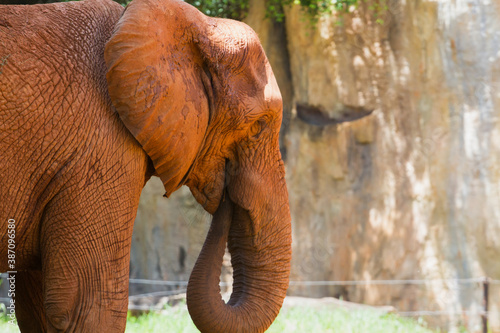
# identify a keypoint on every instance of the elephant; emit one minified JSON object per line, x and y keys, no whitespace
{"x":94,"y":101}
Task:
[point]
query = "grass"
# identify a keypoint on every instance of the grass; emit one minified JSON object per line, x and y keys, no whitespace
{"x":173,"y":319}
{"x":295,"y":319}
{"x":5,"y":326}
{"x":327,"y":320}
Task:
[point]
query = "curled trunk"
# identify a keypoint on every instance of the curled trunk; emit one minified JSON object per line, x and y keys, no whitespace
{"x":261,"y":263}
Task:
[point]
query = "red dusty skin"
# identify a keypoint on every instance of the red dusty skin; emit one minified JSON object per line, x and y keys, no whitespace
{"x":261,"y":264}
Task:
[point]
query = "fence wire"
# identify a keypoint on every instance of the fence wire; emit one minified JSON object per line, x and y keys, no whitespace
{"x":420,"y":313}
{"x":338,"y":283}
{"x":182,"y":284}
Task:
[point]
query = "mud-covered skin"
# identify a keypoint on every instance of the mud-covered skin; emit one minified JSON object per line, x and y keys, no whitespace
{"x":70,"y":173}
{"x":92,"y":103}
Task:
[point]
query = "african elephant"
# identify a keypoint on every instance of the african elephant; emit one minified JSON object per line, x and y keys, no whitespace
{"x":94,"y":101}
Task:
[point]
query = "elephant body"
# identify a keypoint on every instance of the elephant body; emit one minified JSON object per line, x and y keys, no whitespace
{"x":65,"y":155}
{"x":94,"y":100}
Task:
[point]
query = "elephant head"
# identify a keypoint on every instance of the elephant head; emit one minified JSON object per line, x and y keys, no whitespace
{"x":199,"y":95}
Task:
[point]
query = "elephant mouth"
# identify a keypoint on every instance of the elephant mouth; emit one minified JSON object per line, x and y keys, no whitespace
{"x":199,"y":196}
{"x":208,"y":197}
{"x":209,"y":193}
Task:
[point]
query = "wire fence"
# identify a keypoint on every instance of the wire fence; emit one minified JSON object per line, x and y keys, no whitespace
{"x":339,"y":283}
{"x":484,"y":282}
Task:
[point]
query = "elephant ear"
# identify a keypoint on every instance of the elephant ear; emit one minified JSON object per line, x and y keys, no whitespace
{"x":158,"y":84}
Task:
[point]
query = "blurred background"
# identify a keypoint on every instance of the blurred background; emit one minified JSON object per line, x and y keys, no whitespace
{"x":391,"y":141}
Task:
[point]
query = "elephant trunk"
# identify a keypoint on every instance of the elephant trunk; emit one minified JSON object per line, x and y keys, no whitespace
{"x":261,"y":264}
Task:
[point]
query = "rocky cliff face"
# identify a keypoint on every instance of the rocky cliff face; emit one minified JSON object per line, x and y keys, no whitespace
{"x":409,"y":191}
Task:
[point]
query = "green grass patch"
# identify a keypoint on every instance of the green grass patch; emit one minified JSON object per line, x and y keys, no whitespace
{"x":303,"y":319}
{"x":295,"y":319}
{"x":5,"y":326}
{"x":172,"y":319}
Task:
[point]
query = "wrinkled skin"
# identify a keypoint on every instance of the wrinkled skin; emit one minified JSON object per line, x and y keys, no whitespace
{"x":93,"y":102}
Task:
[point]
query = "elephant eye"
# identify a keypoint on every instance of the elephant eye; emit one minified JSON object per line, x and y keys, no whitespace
{"x":257,"y":128}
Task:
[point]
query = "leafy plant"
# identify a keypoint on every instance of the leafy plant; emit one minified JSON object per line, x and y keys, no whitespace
{"x":238,"y":9}
{"x":234,"y":9}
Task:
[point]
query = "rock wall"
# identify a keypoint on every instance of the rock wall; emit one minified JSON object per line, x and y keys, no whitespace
{"x":410,"y":191}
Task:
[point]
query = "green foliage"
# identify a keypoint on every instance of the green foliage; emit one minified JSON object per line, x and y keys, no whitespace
{"x":316,"y":8}
{"x":234,"y":9}
{"x":313,"y":8}
{"x":378,"y":8}
{"x":238,"y":9}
